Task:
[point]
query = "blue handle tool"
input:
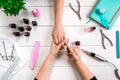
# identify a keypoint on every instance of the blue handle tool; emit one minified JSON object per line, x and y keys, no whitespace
{"x":117,"y":44}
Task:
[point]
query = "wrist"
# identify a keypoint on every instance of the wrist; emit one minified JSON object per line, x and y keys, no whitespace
{"x":58,"y":25}
{"x":78,"y":62}
{"x":58,"y":22}
{"x":52,"y":56}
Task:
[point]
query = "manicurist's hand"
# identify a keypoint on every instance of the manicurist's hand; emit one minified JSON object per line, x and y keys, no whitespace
{"x":58,"y":34}
{"x":74,"y":53}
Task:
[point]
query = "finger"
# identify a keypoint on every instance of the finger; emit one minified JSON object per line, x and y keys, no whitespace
{"x":61,"y":44}
{"x":61,"y":37}
{"x":56,"y":41}
{"x":71,"y":49}
{"x":67,"y":50}
{"x":76,"y":51}
{"x":62,"y":48}
{"x":69,"y":55}
{"x":66,"y":42}
{"x":78,"y":47}
{"x":58,"y":38}
{"x":64,"y":37}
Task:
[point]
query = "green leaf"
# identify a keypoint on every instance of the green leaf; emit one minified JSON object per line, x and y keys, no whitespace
{"x":12,"y":7}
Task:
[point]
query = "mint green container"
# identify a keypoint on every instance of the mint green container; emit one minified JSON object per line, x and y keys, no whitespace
{"x":112,"y":12}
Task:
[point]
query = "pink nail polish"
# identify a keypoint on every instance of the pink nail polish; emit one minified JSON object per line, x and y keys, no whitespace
{"x":36,"y":13}
{"x":91,"y":29}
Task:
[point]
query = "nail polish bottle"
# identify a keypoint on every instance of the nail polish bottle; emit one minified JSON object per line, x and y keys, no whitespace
{"x":77,"y":43}
{"x":36,"y":13}
{"x":91,"y":29}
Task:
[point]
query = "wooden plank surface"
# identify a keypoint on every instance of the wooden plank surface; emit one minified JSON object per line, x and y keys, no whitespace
{"x":63,"y":60}
{"x":74,"y":33}
{"x":50,"y":2}
{"x":75,"y":30}
{"x":47,"y":16}
{"x":70,"y":73}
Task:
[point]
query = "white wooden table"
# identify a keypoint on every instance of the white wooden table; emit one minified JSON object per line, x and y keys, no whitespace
{"x":62,"y":69}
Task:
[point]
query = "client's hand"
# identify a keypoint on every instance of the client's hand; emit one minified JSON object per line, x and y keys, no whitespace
{"x":54,"y":49}
{"x":58,"y":34}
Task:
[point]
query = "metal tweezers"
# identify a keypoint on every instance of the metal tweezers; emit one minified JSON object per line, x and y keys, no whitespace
{"x":78,"y":11}
{"x":103,"y":38}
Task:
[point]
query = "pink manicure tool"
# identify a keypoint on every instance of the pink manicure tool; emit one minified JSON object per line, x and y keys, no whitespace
{"x":35,"y":55}
{"x":36,"y":12}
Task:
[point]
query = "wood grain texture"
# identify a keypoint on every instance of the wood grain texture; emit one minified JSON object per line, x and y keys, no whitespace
{"x":75,"y":31}
{"x":47,"y":17}
{"x":70,"y":73}
{"x":50,"y":2}
{"x":63,"y":60}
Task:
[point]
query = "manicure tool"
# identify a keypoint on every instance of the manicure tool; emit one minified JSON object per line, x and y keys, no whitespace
{"x":117,"y":44}
{"x":103,"y":39}
{"x":78,"y":11}
{"x":35,"y":55}
{"x":102,"y":59}
{"x":5,"y":58}
{"x":12,"y":58}
{"x":11,"y":69}
{"x":8,"y":58}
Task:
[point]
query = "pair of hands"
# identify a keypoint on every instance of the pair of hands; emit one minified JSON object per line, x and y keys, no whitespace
{"x":72,"y":52}
{"x":60,"y":40}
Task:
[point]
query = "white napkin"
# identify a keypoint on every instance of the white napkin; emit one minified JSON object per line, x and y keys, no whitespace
{"x":11,"y":66}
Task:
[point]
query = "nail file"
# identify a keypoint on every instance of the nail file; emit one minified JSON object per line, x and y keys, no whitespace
{"x":35,"y":55}
{"x":11,"y":69}
{"x":117,"y":44}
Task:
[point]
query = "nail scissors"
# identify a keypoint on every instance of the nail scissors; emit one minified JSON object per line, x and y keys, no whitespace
{"x":103,"y":39}
{"x":11,"y":58}
{"x":78,"y":11}
{"x":5,"y":58}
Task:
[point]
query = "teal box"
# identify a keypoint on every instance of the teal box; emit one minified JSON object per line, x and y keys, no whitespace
{"x":112,"y":12}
